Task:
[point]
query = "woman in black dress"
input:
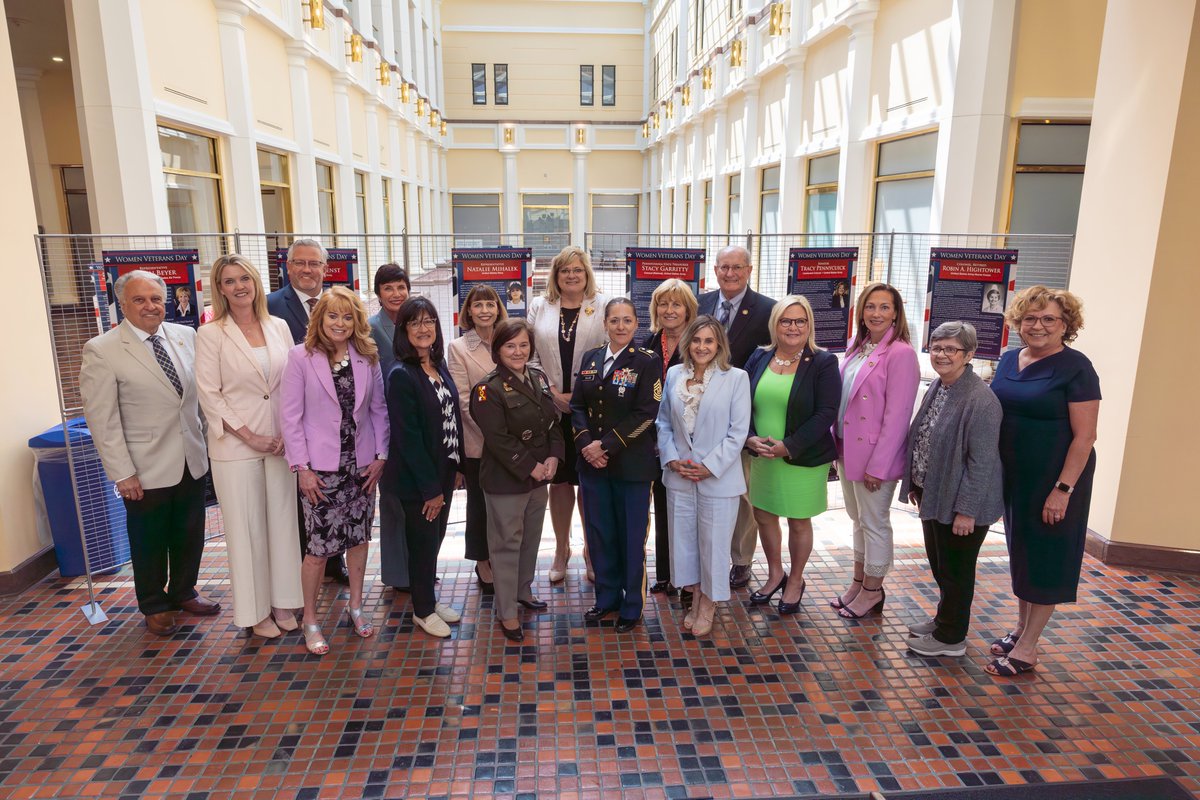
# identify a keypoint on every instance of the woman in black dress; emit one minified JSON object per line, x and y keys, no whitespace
{"x":425,"y":453}
{"x":672,"y":309}
{"x":1051,"y":398}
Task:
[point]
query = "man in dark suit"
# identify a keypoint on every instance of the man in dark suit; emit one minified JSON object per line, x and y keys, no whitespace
{"x":138,"y":383}
{"x":294,"y":304}
{"x":745,"y":314}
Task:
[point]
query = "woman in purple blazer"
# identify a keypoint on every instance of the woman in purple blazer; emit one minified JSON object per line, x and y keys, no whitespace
{"x":335,"y":436}
{"x":880,"y":376}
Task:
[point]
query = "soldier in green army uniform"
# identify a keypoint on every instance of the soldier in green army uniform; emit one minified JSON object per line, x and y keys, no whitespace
{"x":522,"y":445}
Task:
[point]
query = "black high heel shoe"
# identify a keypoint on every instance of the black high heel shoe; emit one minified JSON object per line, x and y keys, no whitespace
{"x":486,"y":587}
{"x":847,"y":613}
{"x":837,"y":601}
{"x":792,"y":608}
{"x":760,"y":598}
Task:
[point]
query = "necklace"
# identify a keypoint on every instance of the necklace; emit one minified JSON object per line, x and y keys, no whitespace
{"x":342,"y":364}
{"x":563,"y":331}
{"x":787,"y":362}
{"x":868,"y":346}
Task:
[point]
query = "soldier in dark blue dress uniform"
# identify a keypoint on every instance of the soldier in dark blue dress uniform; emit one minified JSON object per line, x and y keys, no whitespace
{"x":613,"y":408}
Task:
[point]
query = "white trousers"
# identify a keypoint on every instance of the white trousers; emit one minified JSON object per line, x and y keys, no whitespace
{"x":258,"y":509}
{"x":871,"y":514}
{"x":701,"y":529}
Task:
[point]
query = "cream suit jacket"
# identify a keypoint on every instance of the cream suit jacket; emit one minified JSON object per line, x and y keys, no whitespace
{"x":589,"y":334}
{"x":139,"y":424}
{"x":232,"y":387}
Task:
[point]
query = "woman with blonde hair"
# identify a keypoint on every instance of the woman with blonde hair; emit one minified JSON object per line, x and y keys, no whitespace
{"x":240,"y":358}
{"x":1050,"y":395}
{"x":796,"y":390}
{"x":568,"y":321}
{"x":335,"y":432}
{"x":672,"y":308}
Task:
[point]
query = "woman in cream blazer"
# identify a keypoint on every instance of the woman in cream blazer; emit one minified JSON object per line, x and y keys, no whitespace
{"x":240,"y":358}
{"x":702,"y":423}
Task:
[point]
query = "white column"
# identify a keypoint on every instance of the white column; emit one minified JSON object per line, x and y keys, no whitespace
{"x":305,"y":211}
{"x":242,"y":190}
{"x":750,"y":173}
{"x":374,"y":176}
{"x":682,"y":180}
{"x":696,"y":223}
{"x":579,"y":196}
{"x":644,"y":198}
{"x":967,"y":182}
{"x":854,"y":178}
{"x":656,"y":189}
{"x":115,"y":107}
{"x":40,"y":172}
{"x":444,"y":182}
{"x":436,"y":195}
{"x":791,"y":173}
{"x":720,"y":200}
{"x":394,"y":158}
{"x":512,"y":196}
{"x":347,"y":215}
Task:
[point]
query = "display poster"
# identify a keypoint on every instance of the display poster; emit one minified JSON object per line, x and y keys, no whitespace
{"x":647,"y":267}
{"x":177,"y":268}
{"x":825,"y":276}
{"x":971,"y":285}
{"x":341,"y":269}
{"x":505,"y":269}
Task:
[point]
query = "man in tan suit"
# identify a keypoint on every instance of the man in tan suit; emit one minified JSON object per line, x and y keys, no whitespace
{"x":139,"y":398}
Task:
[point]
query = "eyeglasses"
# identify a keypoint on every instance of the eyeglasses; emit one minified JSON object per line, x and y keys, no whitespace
{"x":732,"y":267}
{"x":942,"y":350}
{"x":576,"y":271}
{"x":1048,"y":321}
{"x":422,"y":323}
{"x":307,"y":264}
{"x":793,"y":323}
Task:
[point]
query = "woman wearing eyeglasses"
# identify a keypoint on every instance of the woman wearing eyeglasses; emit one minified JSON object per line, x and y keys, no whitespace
{"x":1051,"y":399}
{"x":953,"y":478}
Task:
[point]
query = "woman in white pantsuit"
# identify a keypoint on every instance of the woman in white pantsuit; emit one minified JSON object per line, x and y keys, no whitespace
{"x":703,"y":422}
{"x":240,"y":357}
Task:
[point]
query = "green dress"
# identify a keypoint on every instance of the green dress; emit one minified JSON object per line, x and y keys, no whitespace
{"x":776,"y":486}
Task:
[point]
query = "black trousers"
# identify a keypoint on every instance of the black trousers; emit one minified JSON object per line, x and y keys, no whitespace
{"x":662,"y":536}
{"x":166,"y":541}
{"x":476,"y":532}
{"x":952,"y":560}
{"x":424,"y":539}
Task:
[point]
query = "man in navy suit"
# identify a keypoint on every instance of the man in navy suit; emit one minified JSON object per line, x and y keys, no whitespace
{"x":746,"y":315}
{"x":294,"y":304}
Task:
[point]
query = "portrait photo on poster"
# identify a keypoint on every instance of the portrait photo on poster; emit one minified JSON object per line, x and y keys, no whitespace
{"x":993,"y":299}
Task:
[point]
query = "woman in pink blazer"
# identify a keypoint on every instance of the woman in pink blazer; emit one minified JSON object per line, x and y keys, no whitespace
{"x":335,"y":434}
{"x":880,"y":376}
{"x":240,"y":357}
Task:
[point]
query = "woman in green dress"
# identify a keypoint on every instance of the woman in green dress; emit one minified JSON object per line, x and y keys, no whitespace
{"x":796,"y":390}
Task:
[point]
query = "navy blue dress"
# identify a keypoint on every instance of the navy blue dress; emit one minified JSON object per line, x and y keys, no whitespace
{"x":1035,"y":435}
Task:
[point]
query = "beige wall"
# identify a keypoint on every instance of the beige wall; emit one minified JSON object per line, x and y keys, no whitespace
{"x":614,"y":170}
{"x":771,"y":113}
{"x":1049,"y":63}
{"x":320,"y":87}
{"x":194,"y":82}
{"x":475,"y":169}
{"x":544,"y":170}
{"x":825,"y":78}
{"x":909,"y":62}
{"x":29,"y":405}
{"x":269,"y":75}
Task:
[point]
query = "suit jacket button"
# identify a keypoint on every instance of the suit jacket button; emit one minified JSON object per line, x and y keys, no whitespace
{"x":864,"y":397}
{"x":266,"y":397}
{"x":860,"y":438}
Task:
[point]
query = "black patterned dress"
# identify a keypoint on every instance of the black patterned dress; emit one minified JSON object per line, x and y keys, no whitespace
{"x":343,"y":519}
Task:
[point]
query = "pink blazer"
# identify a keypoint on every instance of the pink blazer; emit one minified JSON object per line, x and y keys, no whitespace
{"x":875,"y":425}
{"x":311,"y":417}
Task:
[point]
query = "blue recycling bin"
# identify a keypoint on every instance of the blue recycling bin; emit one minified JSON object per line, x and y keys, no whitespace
{"x":102,"y":509}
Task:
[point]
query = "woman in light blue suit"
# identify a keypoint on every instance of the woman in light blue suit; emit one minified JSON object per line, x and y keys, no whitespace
{"x":703,"y":422}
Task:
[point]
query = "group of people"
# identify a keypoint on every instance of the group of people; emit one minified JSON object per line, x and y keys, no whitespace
{"x":728,"y":418}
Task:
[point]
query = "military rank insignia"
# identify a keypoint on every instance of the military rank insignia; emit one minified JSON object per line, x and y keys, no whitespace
{"x":658,"y":390}
{"x":481,"y":393}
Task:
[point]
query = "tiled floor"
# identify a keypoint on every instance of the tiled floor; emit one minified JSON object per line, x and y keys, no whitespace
{"x":811,"y":705}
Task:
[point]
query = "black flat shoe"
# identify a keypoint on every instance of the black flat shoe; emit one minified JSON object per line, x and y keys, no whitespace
{"x":534,"y":604}
{"x":625,"y":624}
{"x":512,"y":634}
{"x":760,"y":598}
{"x":792,"y":608}
{"x":663,"y":586}
{"x":487,"y":587}
{"x":739,"y":576}
{"x":596,"y":613}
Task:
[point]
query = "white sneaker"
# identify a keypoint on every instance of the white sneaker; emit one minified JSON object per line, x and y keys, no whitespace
{"x":928,"y":646}
{"x":433,"y":625}
{"x":922,"y":628}
{"x":447,"y":613}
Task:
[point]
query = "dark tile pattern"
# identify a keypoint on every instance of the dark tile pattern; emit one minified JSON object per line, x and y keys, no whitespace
{"x":808,"y":705}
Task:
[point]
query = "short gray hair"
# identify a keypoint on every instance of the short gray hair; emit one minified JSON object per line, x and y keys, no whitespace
{"x":308,"y":243}
{"x":735,"y":248}
{"x":137,"y":275}
{"x":961,"y":332}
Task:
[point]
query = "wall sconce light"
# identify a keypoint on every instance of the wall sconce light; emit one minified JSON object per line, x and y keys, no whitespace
{"x":385,"y":74}
{"x":669,"y":110}
{"x":355,"y":43}
{"x":420,"y":107}
{"x":777,"y":25}
{"x":580,"y":136}
{"x":405,"y":92}
{"x":737,"y":55}
{"x":316,"y":13}
{"x":654,"y":120}
{"x":434,"y":118}
{"x":685,"y":96}
{"x":706,"y":78}
{"x":646,"y":129}
{"x":442,"y":128}
{"x":509,"y":135}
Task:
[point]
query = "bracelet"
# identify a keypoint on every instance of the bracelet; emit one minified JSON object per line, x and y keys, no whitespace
{"x":301,"y":468}
{"x":1064,"y":488}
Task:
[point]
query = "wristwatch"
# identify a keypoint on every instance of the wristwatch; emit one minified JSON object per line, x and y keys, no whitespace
{"x":300,"y":468}
{"x":1064,"y":488}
